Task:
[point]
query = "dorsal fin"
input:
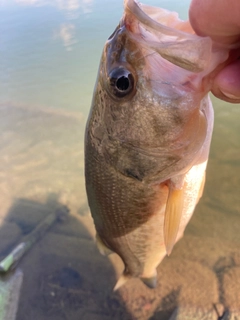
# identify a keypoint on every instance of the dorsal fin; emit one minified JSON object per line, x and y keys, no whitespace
{"x":121,"y":281}
{"x":103,"y":249}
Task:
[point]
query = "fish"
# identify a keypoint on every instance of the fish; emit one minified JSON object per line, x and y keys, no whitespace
{"x":148,"y":136}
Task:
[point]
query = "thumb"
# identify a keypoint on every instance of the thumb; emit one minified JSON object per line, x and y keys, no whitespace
{"x":226,"y":84}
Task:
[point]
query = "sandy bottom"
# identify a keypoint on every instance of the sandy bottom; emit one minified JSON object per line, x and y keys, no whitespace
{"x":64,"y":275}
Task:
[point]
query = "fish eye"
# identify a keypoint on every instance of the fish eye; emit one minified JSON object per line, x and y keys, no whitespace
{"x":121,"y":82}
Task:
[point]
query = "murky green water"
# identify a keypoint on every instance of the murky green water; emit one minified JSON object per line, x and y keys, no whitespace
{"x":50,"y":50}
{"x":49,"y":56}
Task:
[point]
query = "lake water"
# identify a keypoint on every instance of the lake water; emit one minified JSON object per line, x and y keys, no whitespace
{"x":49,"y":56}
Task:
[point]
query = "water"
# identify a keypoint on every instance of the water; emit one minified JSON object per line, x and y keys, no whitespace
{"x":49,"y":56}
{"x":50,"y":50}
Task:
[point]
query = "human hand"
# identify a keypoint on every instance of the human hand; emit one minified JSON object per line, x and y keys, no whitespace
{"x":220,"y":20}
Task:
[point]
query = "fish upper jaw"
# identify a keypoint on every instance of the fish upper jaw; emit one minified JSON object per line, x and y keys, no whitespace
{"x":174,"y":39}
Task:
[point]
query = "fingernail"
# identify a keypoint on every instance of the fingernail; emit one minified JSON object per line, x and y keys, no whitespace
{"x":230,"y":96}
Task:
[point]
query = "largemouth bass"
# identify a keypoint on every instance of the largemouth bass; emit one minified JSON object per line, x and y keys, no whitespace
{"x":148,"y":136}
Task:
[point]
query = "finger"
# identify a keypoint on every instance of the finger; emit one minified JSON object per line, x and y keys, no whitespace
{"x":226,"y":85}
{"x":217,"y":19}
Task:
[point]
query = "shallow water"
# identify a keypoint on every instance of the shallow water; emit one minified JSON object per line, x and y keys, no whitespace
{"x":49,"y":55}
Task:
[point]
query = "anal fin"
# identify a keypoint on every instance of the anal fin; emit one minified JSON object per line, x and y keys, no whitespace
{"x":173,"y":214}
{"x":150,"y":282}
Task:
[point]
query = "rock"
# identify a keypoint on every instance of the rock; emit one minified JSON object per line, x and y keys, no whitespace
{"x":186,"y":313}
{"x":231,"y":289}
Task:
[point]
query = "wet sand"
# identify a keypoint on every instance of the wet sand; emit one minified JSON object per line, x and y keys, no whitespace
{"x":64,"y":275}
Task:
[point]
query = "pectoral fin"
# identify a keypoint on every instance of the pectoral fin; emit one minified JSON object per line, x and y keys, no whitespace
{"x":200,"y":193}
{"x":173,"y":214}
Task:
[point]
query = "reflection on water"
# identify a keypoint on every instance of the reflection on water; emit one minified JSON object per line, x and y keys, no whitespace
{"x":49,"y":53}
{"x":66,"y":33}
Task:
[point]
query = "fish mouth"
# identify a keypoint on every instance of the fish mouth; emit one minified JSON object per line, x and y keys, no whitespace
{"x":143,"y":14}
{"x":169,"y":36}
